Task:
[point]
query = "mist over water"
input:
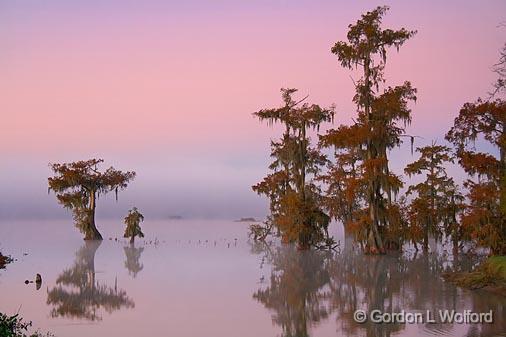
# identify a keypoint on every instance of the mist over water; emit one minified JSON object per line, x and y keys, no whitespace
{"x":188,"y":188}
{"x":192,"y":187}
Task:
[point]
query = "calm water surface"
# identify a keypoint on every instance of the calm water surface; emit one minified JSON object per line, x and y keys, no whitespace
{"x":205,"y":278}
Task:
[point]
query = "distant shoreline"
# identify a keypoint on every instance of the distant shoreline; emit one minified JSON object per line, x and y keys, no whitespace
{"x":248,"y":219}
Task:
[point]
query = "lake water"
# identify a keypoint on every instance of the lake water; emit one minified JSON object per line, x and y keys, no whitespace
{"x":206,"y":278}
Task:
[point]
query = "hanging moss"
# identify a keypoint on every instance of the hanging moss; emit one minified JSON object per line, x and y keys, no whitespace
{"x":294,"y":198}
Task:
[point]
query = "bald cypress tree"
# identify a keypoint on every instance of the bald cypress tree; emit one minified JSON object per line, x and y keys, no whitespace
{"x":437,"y":202}
{"x":294,"y":197}
{"x":132,"y":222}
{"x":382,"y":115}
{"x":77,"y":186}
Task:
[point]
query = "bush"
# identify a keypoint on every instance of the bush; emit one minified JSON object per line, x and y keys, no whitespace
{"x":13,"y":326}
{"x":4,"y":260}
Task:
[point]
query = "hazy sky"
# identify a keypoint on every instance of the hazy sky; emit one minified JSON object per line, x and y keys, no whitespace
{"x":167,"y":88}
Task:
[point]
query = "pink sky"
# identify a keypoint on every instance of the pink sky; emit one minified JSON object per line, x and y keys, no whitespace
{"x":168,"y":89}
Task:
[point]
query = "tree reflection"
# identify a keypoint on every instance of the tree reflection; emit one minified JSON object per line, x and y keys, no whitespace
{"x":132,"y":262}
{"x":308,"y":287}
{"x":296,"y":291}
{"x":78,"y":294}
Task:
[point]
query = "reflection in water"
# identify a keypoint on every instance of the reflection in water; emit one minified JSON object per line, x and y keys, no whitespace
{"x":296,"y":290}
{"x":132,"y":263}
{"x":306,"y":288}
{"x":79,"y":295}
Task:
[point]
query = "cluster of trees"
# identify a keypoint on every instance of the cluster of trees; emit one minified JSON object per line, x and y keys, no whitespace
{"x":355,"y":186}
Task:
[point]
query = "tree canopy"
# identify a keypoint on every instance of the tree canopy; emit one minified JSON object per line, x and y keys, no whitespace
{"x":77,"y":186}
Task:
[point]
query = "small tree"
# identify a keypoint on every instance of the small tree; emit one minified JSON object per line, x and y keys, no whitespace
{"x":78,"y":185}
{"x":436,"y":202}
{"x":132,"y":222}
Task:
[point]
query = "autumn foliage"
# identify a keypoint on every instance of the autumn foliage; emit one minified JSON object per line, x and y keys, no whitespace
{"x":485,"y":211}
{"x":348,"y":177}
{"x":436,"y":201}
{"x":78,"y":185}
{"x":294,"y":197}
{"x":360,"y":179}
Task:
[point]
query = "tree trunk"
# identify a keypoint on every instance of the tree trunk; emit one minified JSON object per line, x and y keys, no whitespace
{"x":455,"y":247}
{"x":92,"y":232}
{"x":503,"y":177}
{"x":502,"y":190}
{"x":287,"y":169}
{"x":426,"y":237}
{"x":305,"y":236}
{"x":304,"y":242}
{"x":132,"y":239}
{"x":303,"y":162}
{"x":374,"y":239}
{"x":430,"y":225}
